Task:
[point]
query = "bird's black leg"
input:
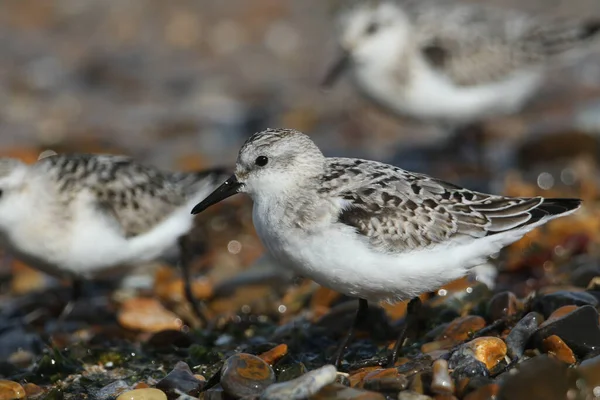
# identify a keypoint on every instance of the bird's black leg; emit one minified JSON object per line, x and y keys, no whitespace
{"x":186,"y":257}
{"x":76,"y":293}
{"x":412,"y":312}
{"x":359,"y":318}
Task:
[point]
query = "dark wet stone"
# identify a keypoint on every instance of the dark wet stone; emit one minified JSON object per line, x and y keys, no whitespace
{"x":302,"y":387}
{"x":414,"y":366}
{"x":180,"y":379}
{"x":489,"y":350}
{"x":214,"y":393}
{"x":469,"y":367}
{"x":583,"y":274}
{"x":578,"y":329}
{"x":245,"y":375}
{"x":112,"y":390}
{"x":287,"y":369}
{"x":15,"y":338}
{"x":503,"y":304}
{"x":487,"y":392}
{"x":169,"y":339}
{"x":421,"y":382}
{"x":387,"y":380}
{"x":548,"y":303}
{"x":519,"y":336}
{"x":540,"y":377}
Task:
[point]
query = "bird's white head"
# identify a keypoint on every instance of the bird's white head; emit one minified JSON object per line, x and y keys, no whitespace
{"x":270,"y":163}
{"x":369,"y":31}
{"x":12,"y":182}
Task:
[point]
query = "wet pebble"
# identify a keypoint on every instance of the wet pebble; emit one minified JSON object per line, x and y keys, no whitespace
{"x":412,"y":395}
{"x":487,"y":349}
{"x":540,"y":377}
{"x":245,"y":375}
{"x":143,"y":394}
{"x":302,"y":387}
{"x":487,"y":392}
{"x":578,"y":329}
{"x":385,"y":380}
{"x":462,"y":327}
{"x":517,"y":339}
{"x":469,"y":367}
{"x":548,"y":303}
{"x":275,"y":354}
{"x":441,"y":382}
{"x":112,"y":390}
{"x":10,"y":390}
{"x":180,"y":379}
{"x":555,"y":346}
{"x":416,"y":365}
{"x":289,"y":370}
{"x":147,"y":315}
{"x":336,"y":391}
{"x":32,"y":390}
{"x":502,"y":305}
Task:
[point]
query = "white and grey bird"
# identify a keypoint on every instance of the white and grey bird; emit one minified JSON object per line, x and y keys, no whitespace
{"x":80,"y":216}
{"x":371,"y":230}
{"x":451,"y":63}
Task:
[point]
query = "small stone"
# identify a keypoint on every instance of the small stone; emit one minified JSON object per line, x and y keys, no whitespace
{"x":273,"y":355}
{"x":147,"y":315}
{"x":550,"y":302}
{"x":517,"y":339}
{"x":502,"y":305}
{"x":461,"y":328}
{"x":414,"y":366}
{"x":411,"y":395}
{"x":578,"y":329}
{"x":421,"y":382}
{"x":385,"y":380}
{"x":441,"y":382}
{"x":245,"y":375}
{"x":112,"y":390}
{"x":180,"y":379}
{"x":487,"y":392}
{"x":554,"y":345}
{"x":540,"y":377}
{"x":336,"y":391}
{"x":10,"y":390}
{"x":356,"y":377}
{"x":560,"y":312}
{"x":302,"y":387}
{"x":487,"y":349}
{"x":32,"y":390}
{"x":143,"y":394}
{"x":469,"y":368}
{"x":288,"y":371}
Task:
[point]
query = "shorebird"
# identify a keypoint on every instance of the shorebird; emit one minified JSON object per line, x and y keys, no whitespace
{"x":451,"y":64}
{"x":371,"y":230}
{"x":80,"y":216}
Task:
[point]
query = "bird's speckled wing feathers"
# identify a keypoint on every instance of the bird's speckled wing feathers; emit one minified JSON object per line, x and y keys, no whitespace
{"x":400,"y":211}
{"x":474,"y":44}
{"x":137,"y":196}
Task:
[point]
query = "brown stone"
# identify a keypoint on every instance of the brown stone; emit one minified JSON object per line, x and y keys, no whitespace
{"x":31,"y":389}
{"x":487,"y":349}
{"x":273,"y":355}
{"x":356,"y":377}
{"x":147,"y":315}
{"x":143,"y":394}
{"x":487,"y":392}
{"x":385,"y":380}
{"x":10,"y":390}
{"x":441,"y":382}
{"x":555,"y":346}
{"x":337,"y":391}
{"x":461,"y":328}
{"x":502,"y":305}
{"x":559,"y":313}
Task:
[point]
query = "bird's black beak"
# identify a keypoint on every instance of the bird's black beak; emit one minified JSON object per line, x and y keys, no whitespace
{"x":337,"y":69}
{"x":230,"y":187}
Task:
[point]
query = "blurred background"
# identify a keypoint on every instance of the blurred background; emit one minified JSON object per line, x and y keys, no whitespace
{"x":181,"y":84}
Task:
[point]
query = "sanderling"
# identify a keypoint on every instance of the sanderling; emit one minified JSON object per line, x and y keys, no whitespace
{"x":79,"y":216}
{"x":371,"y":230}
{"x":451,"y":63}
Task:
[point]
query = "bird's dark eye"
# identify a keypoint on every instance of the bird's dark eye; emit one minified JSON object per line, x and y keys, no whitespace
{"x":372,"y":28}
{"x":261,"y":161}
